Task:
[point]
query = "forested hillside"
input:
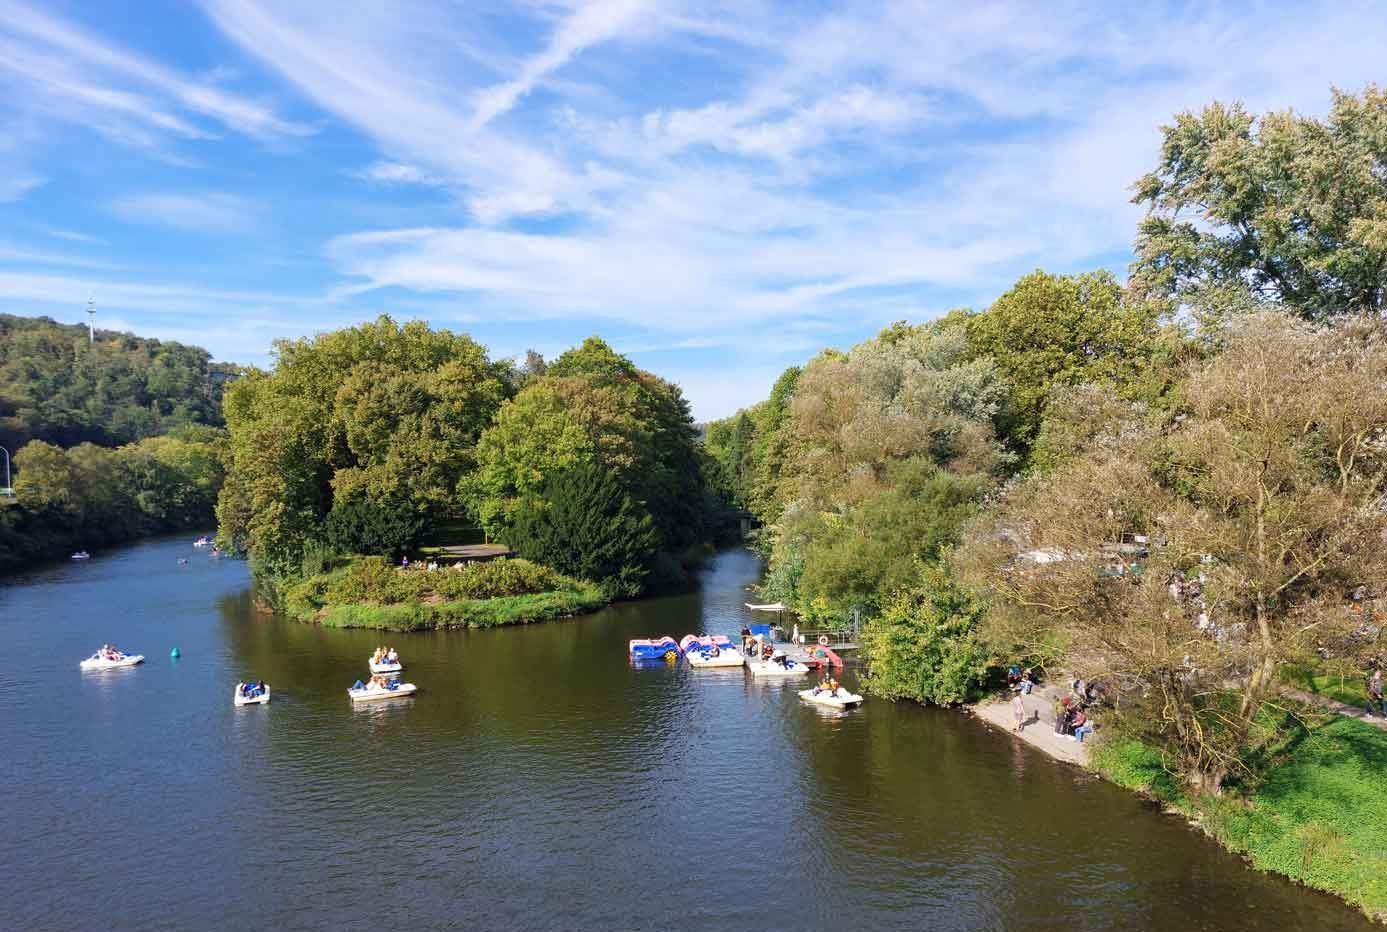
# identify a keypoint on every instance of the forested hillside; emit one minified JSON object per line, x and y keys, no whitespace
{"x":57,"y":386}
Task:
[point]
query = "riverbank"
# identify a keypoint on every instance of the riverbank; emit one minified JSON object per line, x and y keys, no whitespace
{"x":368,"y":593}
{"x":1313,"y":810}
{"x":1038,"y":727}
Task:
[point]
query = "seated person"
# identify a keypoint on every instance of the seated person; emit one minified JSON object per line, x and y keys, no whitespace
{"x":1083,"y":725}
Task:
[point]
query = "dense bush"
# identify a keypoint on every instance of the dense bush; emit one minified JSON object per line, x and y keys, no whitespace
{"x":373,"y":580}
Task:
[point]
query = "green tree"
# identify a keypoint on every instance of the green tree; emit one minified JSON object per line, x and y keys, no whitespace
{"x":58,"y":386}
{"x":584,"y":524}
{"x":926,"y":646}
{"x":1057,"y":330}
{"x":594,"y":408}
{"x":1291,"y":206}
{"x":379,"y":411}
{"x":1196,"y":556}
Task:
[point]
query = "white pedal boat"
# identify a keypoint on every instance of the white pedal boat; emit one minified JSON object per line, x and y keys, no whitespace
{"x":81,"y":555}
{"x":838,"y":699}
{"x":367,"y":694}
{"x":98,"y":662}
{"x":710,"y":651}
{"x":771,"y":668}
{"x":239,"y":699}
{"x":385,"y":666}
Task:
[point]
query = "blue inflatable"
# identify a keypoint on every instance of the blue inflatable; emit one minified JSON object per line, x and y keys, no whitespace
{"x":664,"y":648}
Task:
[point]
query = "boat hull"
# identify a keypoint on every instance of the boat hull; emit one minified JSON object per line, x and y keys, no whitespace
{"x":841,"y":700}
{"x":728,"y":658}
{"x":92,"y":663}
{"x":261,"y":699}
{"x":766,"y":668}
{"x":375,"y":695}
{"x":395,"y":667}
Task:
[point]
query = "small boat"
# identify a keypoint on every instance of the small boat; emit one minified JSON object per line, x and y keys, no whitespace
{"x":778,"y":665}
{"x":99,"y":662}
{"x":838,"y":698}
{"x":258,"y":696}
{"x":201,"y":542}
{"x":709,"y":651}
{"x":654,"y":649}
{"x":371,"y":692}
{"x":81,"y":555}
{"x":385,"y":666}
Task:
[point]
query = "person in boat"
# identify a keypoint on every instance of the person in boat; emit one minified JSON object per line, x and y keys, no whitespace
{"x":746,"y":640}
{"x":715,"y":651}
{"x":391,"y":656}
{"x":822,"y":687}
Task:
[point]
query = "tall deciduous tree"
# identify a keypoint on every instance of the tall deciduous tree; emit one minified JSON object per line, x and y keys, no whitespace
{"x":1292,"y":207}
{"x":1056,"y":330}
{"x":1262,"y":507}
{"x":594,"y":408}
{"x":379,"y":411}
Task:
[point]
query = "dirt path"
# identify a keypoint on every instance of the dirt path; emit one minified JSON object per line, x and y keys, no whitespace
{"x":1039,"y":728}
{"x":1334,"y":705}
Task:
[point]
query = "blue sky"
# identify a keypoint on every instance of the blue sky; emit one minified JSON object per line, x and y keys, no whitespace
{"x":719,"y":190}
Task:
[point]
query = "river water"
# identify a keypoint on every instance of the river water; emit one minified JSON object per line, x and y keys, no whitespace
{"x":537,"y":781}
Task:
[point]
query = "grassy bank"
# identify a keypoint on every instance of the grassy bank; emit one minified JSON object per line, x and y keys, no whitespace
{"x":1316,"y":811}
{"x":368,"y":593}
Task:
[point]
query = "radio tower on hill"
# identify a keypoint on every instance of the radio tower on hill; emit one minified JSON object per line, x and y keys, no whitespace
{"x":91,"y":318}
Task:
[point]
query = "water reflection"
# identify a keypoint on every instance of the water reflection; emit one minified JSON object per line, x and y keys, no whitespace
{"x":539,"y":781}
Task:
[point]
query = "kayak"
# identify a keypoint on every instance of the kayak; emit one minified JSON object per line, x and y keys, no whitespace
{"x":839,"y":699}
{"x":371,"y":695}
{"x":240,"y":699}
{"x":771,"y":668}
{"x":385,"y":666}
{"x":81,"y":555}
{"x":97,"y":662}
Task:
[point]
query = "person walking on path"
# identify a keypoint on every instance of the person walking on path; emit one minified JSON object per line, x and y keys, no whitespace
{"x":1018,"y":712}
{"x":1376,"y":704}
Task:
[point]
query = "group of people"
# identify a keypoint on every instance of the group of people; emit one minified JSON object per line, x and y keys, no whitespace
{"x":111,"y":652}
{"x":1020,"y":681}
{"x":379,"y":681}
{"x":827,"y":685}
{"x":385,"y":655}
{"x":1072,"y":721}
{"x":252,"y":689}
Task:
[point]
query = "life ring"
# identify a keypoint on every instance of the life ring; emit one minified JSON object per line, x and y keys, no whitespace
{"x":823,"y":640}
{"x":671,"y":656}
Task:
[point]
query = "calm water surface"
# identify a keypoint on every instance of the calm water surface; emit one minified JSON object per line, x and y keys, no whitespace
{"x":536,"y":782}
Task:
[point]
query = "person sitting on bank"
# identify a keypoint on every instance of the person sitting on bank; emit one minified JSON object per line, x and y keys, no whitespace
{"x":1083,"y":725}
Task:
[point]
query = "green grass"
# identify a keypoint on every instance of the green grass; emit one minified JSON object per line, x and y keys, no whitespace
{"x":1328,"y":678}
{"x":470,"y":613}
{"x":1316,"y":812}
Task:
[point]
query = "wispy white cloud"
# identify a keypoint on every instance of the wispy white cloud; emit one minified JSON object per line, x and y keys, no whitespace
{"x":206,"y":212}
{"x":58,"y":68}
{"x":76,"y":237}
{"x":15,"y":183}
{"x":25,"y":256}
{"x":386,"y":172}
{"x":589,"y":25}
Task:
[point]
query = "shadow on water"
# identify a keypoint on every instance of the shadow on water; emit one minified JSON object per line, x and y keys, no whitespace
{"x":538,"y":781}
